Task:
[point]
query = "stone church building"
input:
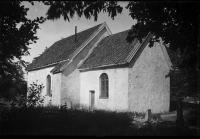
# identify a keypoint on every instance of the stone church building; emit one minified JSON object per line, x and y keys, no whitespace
{"x":96,"y":69}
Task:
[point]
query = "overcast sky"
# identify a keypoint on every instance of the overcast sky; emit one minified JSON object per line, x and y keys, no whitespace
{"x":52,"y":31}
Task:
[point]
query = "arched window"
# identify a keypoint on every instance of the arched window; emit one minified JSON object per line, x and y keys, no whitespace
{"x":104,"y":85}
{"x":49,"y":85}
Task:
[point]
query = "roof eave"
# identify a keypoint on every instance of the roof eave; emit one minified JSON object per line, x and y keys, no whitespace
{"x":41,"y":67}
{"x":104,"y":66}
{"x":55,"y":72}
{"x":45,"y":66}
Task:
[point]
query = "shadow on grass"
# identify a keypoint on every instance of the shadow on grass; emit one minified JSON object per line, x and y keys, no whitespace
{"x":42,"y":121}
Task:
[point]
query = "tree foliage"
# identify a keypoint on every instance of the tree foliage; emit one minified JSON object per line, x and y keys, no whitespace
{"x":33,"y":98}
{"x":67,"y":9}
{"x":14,"y":41}
{"x":183,"y":81}
{"x":13,"y":85}
{"x":177,"y":23}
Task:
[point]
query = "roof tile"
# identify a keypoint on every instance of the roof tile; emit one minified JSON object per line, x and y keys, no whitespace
{"x":62,"y":49}
{"x":112,"y":50}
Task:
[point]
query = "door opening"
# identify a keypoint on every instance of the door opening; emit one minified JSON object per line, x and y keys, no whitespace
{"x":92,"y":100}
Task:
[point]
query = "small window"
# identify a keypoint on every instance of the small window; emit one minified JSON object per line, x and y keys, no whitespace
{"x":104,"y":86}
{"x":48,"y":85}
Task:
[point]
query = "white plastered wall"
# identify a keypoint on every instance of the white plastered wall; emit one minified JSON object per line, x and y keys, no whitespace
{"x":39,"y":77}
{"x":118,"y":89}
{"x":149,"y":88}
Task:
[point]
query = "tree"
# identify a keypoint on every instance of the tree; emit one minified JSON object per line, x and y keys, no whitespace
{"x":14,"y":41}
{"x":183,"y":81}
{"x":175,"y":22}
{"x":13,"y":85}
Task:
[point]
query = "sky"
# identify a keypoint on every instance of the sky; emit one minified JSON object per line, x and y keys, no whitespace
{"x":53,"y":30}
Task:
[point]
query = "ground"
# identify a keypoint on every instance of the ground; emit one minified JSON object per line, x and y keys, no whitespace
{"x":43,"y":121}
{"x":165,"y":124}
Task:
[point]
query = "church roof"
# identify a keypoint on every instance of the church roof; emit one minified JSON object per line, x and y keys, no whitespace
{"x":61,"y":50}
{"x":112,"y":50}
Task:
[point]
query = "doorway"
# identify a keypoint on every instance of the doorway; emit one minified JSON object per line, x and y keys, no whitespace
{"x":92,"y":100}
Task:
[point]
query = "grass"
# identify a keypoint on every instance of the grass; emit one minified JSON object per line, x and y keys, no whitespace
{"x":67,"y":122}
{"x":54,"y":121}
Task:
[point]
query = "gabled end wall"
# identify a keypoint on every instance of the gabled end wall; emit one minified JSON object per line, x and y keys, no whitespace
{"x":149,"y":88}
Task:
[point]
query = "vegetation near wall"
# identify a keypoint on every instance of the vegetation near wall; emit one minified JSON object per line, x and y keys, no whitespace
{"x":32,"y":118}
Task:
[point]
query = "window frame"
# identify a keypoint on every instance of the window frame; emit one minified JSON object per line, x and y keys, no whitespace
{"x":48,"y":86}
{"x":103,"y":86}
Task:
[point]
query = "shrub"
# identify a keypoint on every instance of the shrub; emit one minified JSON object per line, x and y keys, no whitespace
{"x":34,"y":97}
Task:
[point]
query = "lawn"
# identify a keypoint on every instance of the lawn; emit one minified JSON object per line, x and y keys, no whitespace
{"x":54,"y":121}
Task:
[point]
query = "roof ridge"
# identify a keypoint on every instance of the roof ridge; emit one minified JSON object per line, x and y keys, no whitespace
{"x":117,"y":33}
{"x":79,"y":32}
{"x":121,"y":32}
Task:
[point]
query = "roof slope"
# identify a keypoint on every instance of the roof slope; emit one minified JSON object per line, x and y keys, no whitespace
{"x":112,"y":50}
{"x":62,"y":49}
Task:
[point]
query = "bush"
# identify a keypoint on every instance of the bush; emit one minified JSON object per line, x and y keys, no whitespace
{"x":34,"y":97}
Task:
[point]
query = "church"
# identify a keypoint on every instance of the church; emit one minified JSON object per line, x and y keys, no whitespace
{"x":95,"y":69}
